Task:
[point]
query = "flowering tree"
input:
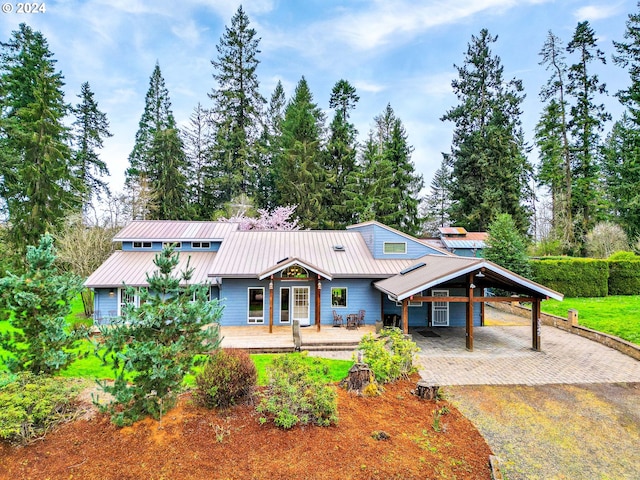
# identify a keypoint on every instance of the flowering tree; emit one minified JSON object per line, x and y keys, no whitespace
{"x":277,"y":219}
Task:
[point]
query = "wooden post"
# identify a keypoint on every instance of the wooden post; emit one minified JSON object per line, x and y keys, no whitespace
{"x":482,"y":305}
{"x":271,"y":305}
{"x":536,"y":325}
{"x":405,"y":316}
{"x":469,"y":324}
{"x":382,"y":307}
{"x":318,"y":291}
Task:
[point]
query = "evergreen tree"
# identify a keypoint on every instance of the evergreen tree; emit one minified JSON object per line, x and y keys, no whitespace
{"x":152,"y":347}
{"x":506,"y":246}
{"x":490,"y":172}
{"x":587,"y":122}
{"x":90,"y":129}
{"x":552,"y":138}
{"x":198,"y":139}
{"x":237,"y":108}
{"x":39,"y":301}
{"x":158,"y":156}
{"x":37,"y":183}
{"x":298,"y":176}
{"x":340,"y":158}
{"x":438,"y":202}
{"x":621,"y":166}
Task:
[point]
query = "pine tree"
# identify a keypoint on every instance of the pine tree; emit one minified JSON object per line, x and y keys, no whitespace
{"x":507,"y":246}
{"x":438,"y":202}
{"x":37,"y":183}
{"x":237,"y":108}
{"x":587,"y":122}
{"x":298,"y":176}
{"x":552,"y":138}
{"x":158,"y":156}
{"x":39,"y":301}
{"x":490,"y":170}
{"x":340,"y":157}
{"x":90,"y":129}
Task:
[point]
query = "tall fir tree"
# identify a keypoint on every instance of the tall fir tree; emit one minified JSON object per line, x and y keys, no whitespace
{"x":158,"y":157}
{"x":37,"y":182}
{"x":341,"y":152}
{"x":237,"y":109}
{"x":198,"y":137}
{"x":587,"y":123}
{"x":490,"y":169}
{"x":90,"y":129}
{"x":552,"y":139}
{"x":621,"y":165}
{"x":438,"y":202}
{"x":298,"y":176}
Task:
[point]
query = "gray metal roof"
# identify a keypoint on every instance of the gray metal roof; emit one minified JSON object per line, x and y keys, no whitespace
{"x":439,"y":269}
{"x":251,"y":253}
{"x":453,"y":243}
{"x":131,"y":267}
{"x":171,"y":230}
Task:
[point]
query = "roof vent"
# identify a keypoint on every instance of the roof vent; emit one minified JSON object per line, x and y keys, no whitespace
{"x":282,"y":260}
{"x":412,"y":268}
{"x":338,"y":248}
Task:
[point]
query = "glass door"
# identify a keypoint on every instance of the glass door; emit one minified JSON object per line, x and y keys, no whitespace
{"x":301,"y":305}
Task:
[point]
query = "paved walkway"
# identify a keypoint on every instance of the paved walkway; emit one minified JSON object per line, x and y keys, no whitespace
{"x":503,"y":356}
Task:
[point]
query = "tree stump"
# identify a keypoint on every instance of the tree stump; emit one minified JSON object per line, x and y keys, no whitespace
{"x":426,"y":391}
{"x":360,"y":375}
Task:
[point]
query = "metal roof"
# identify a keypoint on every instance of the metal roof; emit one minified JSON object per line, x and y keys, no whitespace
{"x":131,"y":268}
{"x":452,"y":230}
{"x":252,"y":253}
{"x":462,"y":243}
{"x":173,"y":230}
{"x":439,"y":269}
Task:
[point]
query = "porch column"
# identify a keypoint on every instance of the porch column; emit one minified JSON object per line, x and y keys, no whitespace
{"x":535,"y":324}
{"x":482,"y":305}
{"x":405,"y":316}
{"x":469,"y":325}
{"x":271,"y":305}
{"x":318,"y":291}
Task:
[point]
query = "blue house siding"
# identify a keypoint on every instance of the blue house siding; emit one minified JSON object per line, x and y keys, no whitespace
{"x":375,"y":237}
{"x":184,"y":247}
{"x":104,"y":304}
{"x":360,"y":296}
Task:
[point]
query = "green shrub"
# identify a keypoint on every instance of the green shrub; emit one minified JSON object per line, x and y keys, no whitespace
{"x":623,"y":255}
{"x":228,"y":376}
{"x":31,"y":405}
{"x":574,"y":277}
{"x":390,"y":356}
{"x":294,"y":394}
{"x":624,"y":276}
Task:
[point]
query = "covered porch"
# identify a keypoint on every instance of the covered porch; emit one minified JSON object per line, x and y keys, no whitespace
{"x":475,"y":277}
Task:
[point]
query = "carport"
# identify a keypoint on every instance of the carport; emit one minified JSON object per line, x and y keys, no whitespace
{"x":474,"y":275}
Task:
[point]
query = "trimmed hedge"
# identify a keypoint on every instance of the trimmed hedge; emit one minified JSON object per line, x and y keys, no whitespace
{"x":624,"y":277}
{"x":576,"y":277}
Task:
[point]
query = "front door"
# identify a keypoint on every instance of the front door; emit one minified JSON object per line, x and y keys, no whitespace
{"x":301,"y":305}
{"x":440,"y":310}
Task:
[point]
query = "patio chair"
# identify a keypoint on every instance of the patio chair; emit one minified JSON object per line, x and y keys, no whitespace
{"x":352,"y":321}
{"x":337,"y":319}
{"x":361,"y":318}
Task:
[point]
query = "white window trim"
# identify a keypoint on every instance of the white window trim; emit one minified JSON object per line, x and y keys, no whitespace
{"x":346,"y":297}
{"x":254,"y":320}
{"x":142,"y":244}
{"x":384,"y":248}
{"x":411,"y":304}
{"x":136,"y":299}
{"x":286,"y":322}
{"x":201,"y":245}
{"x":175,"y":244}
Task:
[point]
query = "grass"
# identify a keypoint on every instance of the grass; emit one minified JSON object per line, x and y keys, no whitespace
{"x":616,"y":315}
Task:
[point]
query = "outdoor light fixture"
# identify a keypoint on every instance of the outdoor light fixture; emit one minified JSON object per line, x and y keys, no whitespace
{"x":480,"y":274}
{"x":112,"y":292}
{"x":472,"y":285}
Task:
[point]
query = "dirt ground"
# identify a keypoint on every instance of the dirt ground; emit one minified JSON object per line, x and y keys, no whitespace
{"x":558,"y":431}
{"x":196,"y":443}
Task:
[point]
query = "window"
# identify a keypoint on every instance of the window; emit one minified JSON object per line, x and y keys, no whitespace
{"x":339,"y":297}
{"x":256,"y":305}
{"x":295,"y":271}
{"x":125,"y":298}
{"x":142,"y":245}
{"x":201,"y":245}
{"x":173,"y":244}
{"x":394,"y":247}
{"x":411,"y":304}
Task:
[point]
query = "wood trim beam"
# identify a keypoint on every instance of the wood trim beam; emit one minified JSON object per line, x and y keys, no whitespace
{"x":271,"y":304}
{"x":405,"y":316}
{"x":475,"y":299}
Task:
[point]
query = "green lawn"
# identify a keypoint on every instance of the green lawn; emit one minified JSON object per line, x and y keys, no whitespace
{"x":616,"y":315}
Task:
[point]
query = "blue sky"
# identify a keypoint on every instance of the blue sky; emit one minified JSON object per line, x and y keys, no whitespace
{"x":393,"y":51}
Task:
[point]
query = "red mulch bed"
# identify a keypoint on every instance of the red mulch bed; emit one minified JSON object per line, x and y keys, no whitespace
{"x":195,"y":443}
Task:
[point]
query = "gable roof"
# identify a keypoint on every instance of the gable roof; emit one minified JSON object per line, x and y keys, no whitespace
{"x":248,"y":254}
{"x":174,"y":230}
{"x":438,"y":269}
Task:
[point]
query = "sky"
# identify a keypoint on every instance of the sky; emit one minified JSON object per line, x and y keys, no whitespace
{"x":397,"y":52}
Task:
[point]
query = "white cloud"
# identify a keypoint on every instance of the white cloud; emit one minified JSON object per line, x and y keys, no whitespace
{"x":597,"y":12}
{"x":365,"y":86}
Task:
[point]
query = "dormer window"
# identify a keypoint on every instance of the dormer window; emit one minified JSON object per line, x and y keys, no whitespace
{"x":203,"y":245}
{"x":394,"y":247}
{"x":295,"y":271}
{"x":142,"y":245}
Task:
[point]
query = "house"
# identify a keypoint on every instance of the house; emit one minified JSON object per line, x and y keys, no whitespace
{"x":457,"y":240}
{"x":276,"y":277}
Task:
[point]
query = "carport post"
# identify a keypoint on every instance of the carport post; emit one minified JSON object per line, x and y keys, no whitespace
{"x":536,"y":326}
{"x":470,"y":314}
